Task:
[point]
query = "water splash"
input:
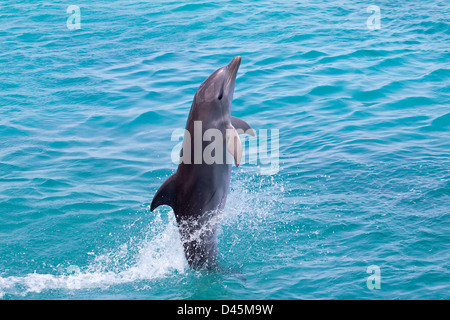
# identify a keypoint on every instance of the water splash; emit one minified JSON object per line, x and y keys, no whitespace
{"x":155,"y":256}
{"x":155,"y":252}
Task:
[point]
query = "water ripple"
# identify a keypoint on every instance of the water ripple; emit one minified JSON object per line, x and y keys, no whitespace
{"x":86,"y":118}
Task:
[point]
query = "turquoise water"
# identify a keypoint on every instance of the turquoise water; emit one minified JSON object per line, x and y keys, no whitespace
{"x":86,"y":118}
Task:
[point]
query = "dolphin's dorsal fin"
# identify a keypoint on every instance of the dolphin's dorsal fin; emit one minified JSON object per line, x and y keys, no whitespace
{"x":165,"y":194}
{"x":240,"y":124}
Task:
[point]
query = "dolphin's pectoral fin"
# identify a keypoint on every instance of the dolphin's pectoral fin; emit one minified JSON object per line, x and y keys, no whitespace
{"x":165,"y":194}
{"x":240,"y":124}
{"x":234,"y":145}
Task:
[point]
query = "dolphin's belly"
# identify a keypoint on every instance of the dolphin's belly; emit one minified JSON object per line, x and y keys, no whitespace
{"x":201,"y":188}
{"x":199,"y":201}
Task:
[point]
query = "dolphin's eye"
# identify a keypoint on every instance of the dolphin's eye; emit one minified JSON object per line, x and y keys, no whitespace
{"x":220,"y":96}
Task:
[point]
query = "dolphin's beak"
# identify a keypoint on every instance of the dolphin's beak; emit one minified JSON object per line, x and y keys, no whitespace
{"x":233,"y":69}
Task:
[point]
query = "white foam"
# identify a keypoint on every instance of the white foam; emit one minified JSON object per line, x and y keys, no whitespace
{"x":160,"y":253}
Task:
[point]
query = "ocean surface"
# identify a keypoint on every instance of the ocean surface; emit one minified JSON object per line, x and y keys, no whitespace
{"x":356,"y":206}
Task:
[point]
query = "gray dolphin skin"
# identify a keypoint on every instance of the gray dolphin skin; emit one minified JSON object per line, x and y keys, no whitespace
{"x":198,"y":190}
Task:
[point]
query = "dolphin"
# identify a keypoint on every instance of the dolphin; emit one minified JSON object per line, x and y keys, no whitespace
{"x":198,"y":190}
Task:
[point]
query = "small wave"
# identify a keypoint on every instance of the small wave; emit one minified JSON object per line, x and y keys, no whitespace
{"x":312,"y":54}
{"x":411,"y":102}
{"x":325,"y":90}
{"x":432,"y":27}
{"x":440,"y":123}
{"x":360,"y":53}
{"x":195,"y":6}
{"x":10,"y":130}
